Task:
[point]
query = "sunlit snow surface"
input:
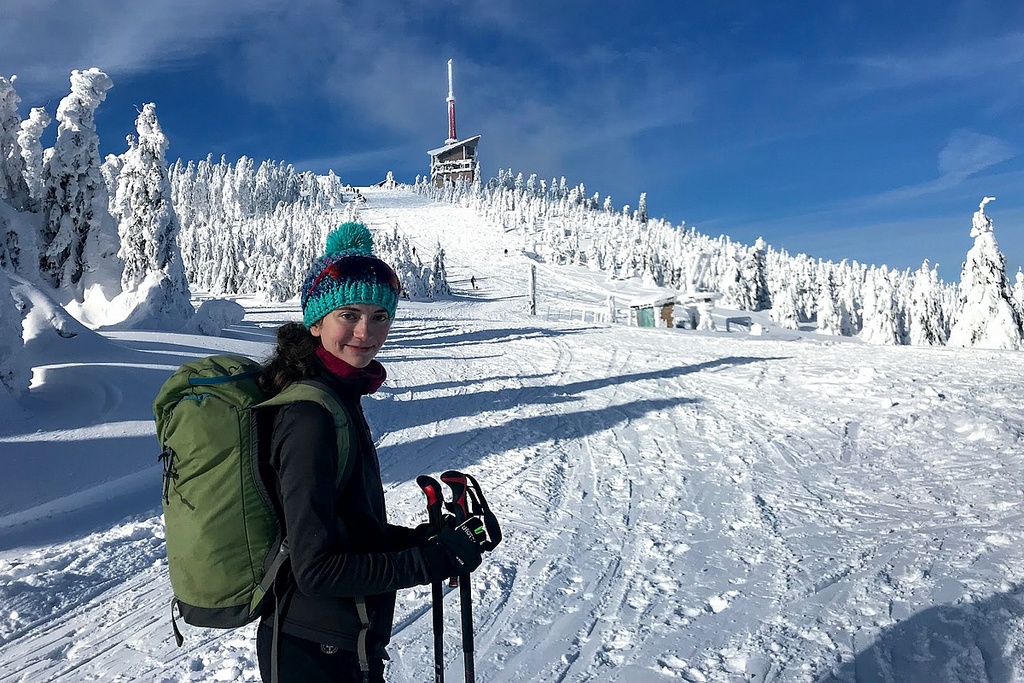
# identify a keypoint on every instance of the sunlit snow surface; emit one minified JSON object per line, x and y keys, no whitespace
{"x":677,"y":505}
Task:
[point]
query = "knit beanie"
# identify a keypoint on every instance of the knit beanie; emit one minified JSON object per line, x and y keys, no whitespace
{"x":348,"y":273}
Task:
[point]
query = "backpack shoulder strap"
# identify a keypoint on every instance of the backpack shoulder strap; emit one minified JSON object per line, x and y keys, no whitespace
{"x":320,"y":393}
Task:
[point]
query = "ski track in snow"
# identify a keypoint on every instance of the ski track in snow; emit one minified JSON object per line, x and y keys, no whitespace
{"x":677,"y":506}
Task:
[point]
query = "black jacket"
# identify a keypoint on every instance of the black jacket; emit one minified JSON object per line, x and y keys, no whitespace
{"x":340,"y":543}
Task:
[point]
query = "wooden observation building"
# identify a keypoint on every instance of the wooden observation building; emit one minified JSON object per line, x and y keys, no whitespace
{"x":457,"y":159}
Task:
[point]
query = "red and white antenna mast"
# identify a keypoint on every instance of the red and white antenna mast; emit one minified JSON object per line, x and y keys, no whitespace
{"x":451,"y":108}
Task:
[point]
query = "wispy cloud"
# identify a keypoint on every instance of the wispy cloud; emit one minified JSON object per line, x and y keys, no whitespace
{"x":43,"y":40}
{"x":968,"y":152}
{"x":340,"y":163}
{"x":955,"y":63}
{"x":965,"y":155}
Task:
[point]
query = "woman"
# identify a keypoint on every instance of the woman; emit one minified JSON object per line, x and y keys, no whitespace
{"x":335,"y":605}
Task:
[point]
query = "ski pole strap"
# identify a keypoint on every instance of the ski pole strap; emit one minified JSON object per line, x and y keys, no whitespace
{"x":459,"y":505}
{"x":364,"y":632}
{"x":275,"y":566}
{"x":280,"y":603}
{"x":178,"y":638}
{"x":435,"y":499}
{"x":275,"y":643}
{"x":475,"y":504}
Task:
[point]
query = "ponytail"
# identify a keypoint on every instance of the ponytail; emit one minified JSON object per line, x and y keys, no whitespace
{"x":294,"y":358}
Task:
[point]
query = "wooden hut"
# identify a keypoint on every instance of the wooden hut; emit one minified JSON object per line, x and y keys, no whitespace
{"x":652,"y":312}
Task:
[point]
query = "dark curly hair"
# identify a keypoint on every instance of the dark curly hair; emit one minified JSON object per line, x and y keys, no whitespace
{"x":294,"y":359}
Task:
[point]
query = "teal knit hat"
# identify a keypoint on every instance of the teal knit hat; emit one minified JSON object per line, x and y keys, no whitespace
{"x":348,"y":273}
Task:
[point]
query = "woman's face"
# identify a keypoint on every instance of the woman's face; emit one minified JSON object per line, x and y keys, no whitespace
{"x":353,"y":333}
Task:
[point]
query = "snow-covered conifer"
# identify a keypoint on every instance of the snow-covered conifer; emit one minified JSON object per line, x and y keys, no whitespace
{"x":32,"y":152}
{"x":784,"y":309}
{"x":147,"y":223}
{"x":927,"y":323}
{"x":754,"y":270}
{"x":74,"y":198}
{"x":851,"y":282}
{"x":13,"y":188}
{"x":735,"y":289}
{"x":987,"y":318}
{"x":1018,"y":292}
{"x":881,"y":314}
{"x":19,"y":249}
{"x":15,"y":371}
{"x":830,"y":320}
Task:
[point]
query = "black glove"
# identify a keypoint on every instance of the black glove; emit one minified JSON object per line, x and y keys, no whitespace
{"x":455,"y":551}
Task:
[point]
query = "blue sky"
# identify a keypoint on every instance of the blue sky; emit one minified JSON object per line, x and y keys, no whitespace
{"x":842,"y":129}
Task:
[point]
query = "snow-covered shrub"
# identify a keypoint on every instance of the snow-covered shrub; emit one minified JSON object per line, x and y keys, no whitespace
{"x":213,"y":316}
{"x":156,"y":304}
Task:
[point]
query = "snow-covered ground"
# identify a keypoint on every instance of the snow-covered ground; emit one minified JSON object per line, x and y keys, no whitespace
{"x":677,"y":505}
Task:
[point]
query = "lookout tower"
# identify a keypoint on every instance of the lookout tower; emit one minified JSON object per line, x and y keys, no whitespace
{"x":457,"y":159}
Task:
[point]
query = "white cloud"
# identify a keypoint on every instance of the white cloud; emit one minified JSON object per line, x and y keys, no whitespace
{"x":43,"y":40}
{"x":968,"y":152}
{"x":958,"y":62}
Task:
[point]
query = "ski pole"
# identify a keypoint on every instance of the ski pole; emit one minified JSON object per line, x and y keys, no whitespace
{"x":435,"y":501}
{"x":460,"y":508}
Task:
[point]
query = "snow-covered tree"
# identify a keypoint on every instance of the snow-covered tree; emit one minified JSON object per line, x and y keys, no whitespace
{"x":147,"y":223}
{"x":987,"y":318}
{"x":74,"y":197}
{"x":830,"y":319}
{"x":755,"y":273}
{"x":736,"y":291}
{"x":15,"y":371}
{"x":881,"y":314}
{"x":32,"y":152}
{"x":1018,"y":293}
{"x":851,"y":281}
{"x":19,"y":251}
{"x":927,"y":321}
{"x":784,"y":310}
{"x":13,"y":188}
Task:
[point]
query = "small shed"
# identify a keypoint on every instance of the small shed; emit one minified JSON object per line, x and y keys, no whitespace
{"x":652,"y":312}
{"x":697,"y":308}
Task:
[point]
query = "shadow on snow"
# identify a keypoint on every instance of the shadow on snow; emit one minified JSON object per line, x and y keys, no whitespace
{"x":973,"y":641}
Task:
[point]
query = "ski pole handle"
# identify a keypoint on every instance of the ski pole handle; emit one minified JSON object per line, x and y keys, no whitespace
{"x":435,"y":499}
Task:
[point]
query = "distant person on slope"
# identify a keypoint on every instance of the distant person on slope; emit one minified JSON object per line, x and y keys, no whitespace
{"x":335,"y":604}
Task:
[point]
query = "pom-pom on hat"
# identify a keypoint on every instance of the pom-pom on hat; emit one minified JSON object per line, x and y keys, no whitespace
{"x":348,"y":273}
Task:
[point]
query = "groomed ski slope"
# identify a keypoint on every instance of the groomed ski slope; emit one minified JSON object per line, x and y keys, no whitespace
{"x":677,"y":505}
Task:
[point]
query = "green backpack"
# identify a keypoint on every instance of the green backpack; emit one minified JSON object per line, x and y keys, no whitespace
{"x":224,"y":540}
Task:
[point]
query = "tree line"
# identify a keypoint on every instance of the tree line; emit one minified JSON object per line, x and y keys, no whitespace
{"x":561,"y":223}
